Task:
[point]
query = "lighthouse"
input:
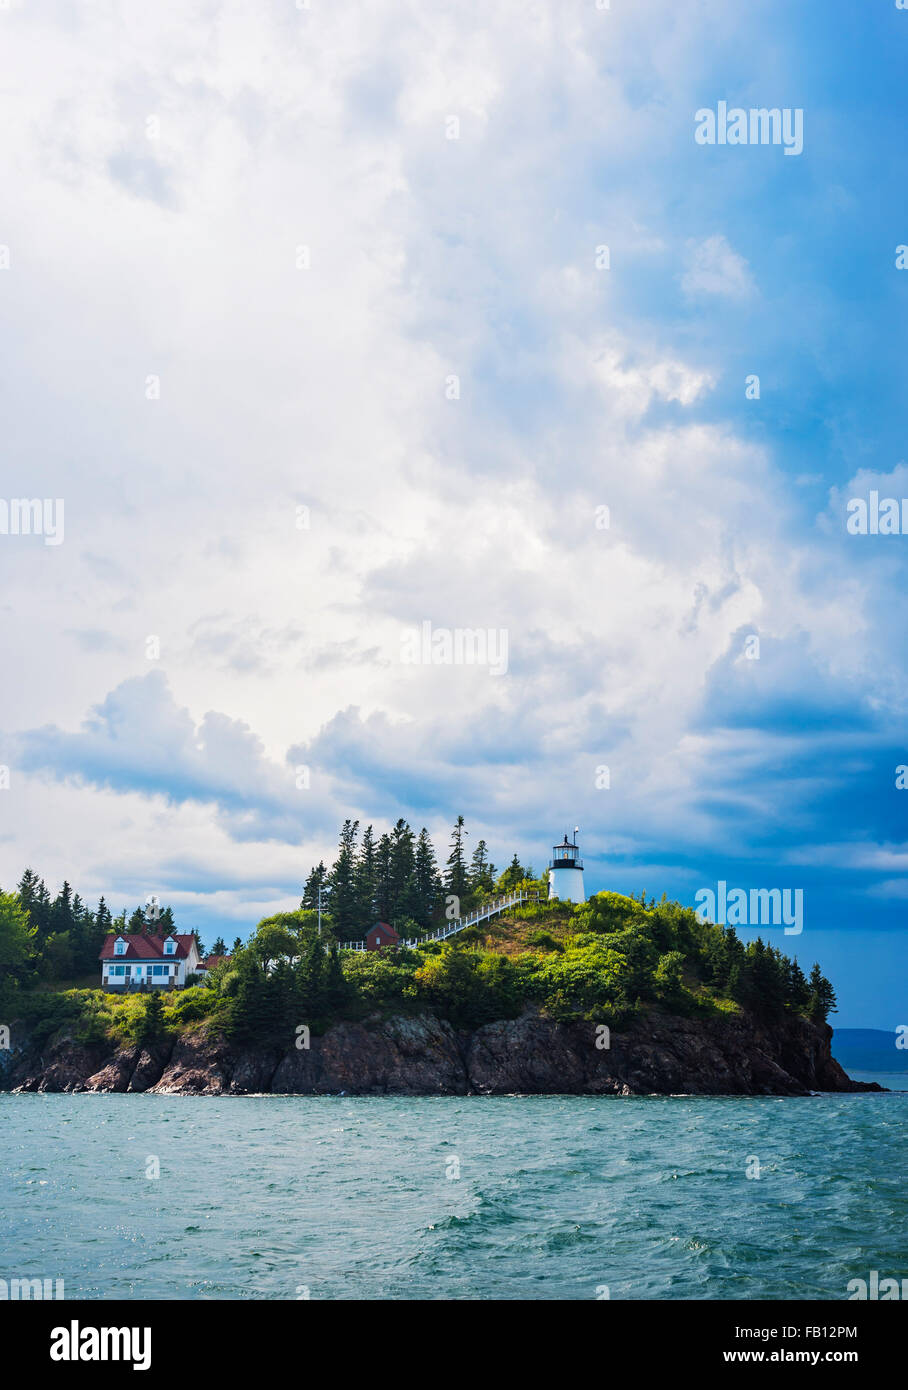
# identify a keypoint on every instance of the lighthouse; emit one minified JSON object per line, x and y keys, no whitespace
{"x":566,"y":872}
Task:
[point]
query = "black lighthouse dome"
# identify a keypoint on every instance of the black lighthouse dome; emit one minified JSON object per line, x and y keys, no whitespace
{"x":566,"y":855}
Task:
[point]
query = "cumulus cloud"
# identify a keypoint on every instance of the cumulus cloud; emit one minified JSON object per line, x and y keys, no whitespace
{"x":138,"y":739}
{"x":714,"y":268}
{"x":395,"y":386}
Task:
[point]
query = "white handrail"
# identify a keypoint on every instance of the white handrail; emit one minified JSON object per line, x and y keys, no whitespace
{"x":479,"y":914}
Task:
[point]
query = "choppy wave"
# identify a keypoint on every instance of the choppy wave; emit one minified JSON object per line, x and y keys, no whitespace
{"x":510,"y":1197}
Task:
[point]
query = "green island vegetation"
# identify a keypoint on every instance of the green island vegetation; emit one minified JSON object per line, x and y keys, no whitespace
{"x":610,"y":959}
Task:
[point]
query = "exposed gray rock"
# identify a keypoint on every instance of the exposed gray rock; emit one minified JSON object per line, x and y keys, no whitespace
{"x":732,"y":1055}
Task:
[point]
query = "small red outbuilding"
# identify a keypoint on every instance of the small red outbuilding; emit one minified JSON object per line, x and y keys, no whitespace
{"x":380,"y":934}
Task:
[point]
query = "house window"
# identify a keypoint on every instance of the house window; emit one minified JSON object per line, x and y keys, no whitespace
{"x":118,"y":969}
{"x":120,"y":948}
{"x":169,"y":947}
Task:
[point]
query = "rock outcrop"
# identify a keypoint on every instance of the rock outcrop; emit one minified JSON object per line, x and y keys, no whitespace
{"x":658,"y":1054}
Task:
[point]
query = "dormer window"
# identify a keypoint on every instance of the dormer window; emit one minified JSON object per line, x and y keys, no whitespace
{"x":119,"y":947}
{"x":169,"y":946}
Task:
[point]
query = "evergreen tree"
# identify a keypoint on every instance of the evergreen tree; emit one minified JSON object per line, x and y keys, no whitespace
{"x":57,"y":957}
{"x":482,"y":873}
{"x":737,"y":983}
{"x":716,"y":959}
{"x":342,"y":885}
{"x":62,"y":911}
{"x":335,"y":989}
{"x":428,"y":883}
{"x":27,"y":891}
{"x":404,"y":895}
{"x":151,"y":1026}
{"x":310,"y":973}
{"x":219,"y":948}
{"x":767,"y":985}
{"x":255,"y":1007}
{"x":514,"y":874}
{"x":822,"y":997}
{"x":457,"y":880}
{"x":364,"y":879}
{"x":318,"y":878}
{"x":798,"y":991}
{"x":40,"y":913}
{"x":80,"y":936}
{"x":137,"y":922}
{"x":384,"y":891}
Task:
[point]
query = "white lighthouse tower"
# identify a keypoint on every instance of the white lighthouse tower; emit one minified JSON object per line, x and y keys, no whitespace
{"x":566,"y":872}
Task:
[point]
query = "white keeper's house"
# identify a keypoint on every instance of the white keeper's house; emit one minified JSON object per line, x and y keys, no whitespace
{"x":140,"y":959}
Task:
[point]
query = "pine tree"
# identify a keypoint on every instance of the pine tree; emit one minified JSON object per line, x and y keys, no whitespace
{"x":318,"y":878}
{"x":822,"y":997}
{"x":151,"y":1026}
{"x":62,"y":910}
{"x":219,"y":948}
{"x":514,"y":874}
{"x":342,"y":885}
{"x":798,"y":989}
{"x":457,"y":881}
{"x":717,"y":959}
{"x":254,"y":1012}
{"x":85,"y":938}
{"x":428,"y":883}
{"x":310,"y":975}
{"x":767,"y":984}
{"x":27,"y":890}
{"x":737,"y":983}
{"x":41,"y":913}
{"x":384,"y":891}
{"x":482,"y":873}
{"x":364,"y":878}
{"x":404,"y":896}
{"x":335,"y":989}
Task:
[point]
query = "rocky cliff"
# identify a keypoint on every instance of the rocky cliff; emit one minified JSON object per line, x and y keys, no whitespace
{"x":734,"y":1055}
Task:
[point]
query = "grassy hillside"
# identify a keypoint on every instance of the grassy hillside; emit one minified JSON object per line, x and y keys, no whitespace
{"x":608,"y":960}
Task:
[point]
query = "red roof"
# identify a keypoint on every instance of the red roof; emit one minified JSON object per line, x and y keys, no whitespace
{"x":141,"y":946}
{"x":211,"y":961}
{"x":384,"y":929}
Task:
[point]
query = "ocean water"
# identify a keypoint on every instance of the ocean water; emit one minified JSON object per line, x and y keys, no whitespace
{"x":545,"y":1197}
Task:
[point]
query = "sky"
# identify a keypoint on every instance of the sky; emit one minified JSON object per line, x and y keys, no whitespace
{"x":305,"y":316}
